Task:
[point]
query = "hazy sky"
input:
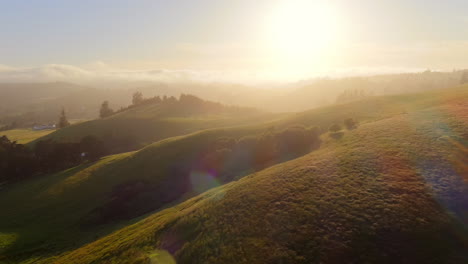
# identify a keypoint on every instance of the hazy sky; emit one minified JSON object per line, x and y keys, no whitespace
{"x":261,"y":38}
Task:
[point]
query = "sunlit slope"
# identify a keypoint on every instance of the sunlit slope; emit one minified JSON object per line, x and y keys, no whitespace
{"x":376,"y":108}
{"x":148,"y":123}
{"x":390,"y":191}
{"x":23,"y":136}
{"x":399,"y":168}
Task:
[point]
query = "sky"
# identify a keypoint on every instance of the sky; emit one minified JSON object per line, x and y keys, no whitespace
{"x":228,"y":39}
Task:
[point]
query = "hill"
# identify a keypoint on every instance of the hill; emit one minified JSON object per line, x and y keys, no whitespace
{"x":141,"y":125}
{"x":395,"y":186}
{"x":30,"y":103}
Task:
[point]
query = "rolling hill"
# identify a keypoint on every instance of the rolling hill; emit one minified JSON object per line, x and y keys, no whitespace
{"x":29,"y":103}
{"x":392,"y":189}
{"x":144,"y":124}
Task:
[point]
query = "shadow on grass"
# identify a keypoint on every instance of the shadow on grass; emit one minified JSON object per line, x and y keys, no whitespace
{"x":26,"y":237}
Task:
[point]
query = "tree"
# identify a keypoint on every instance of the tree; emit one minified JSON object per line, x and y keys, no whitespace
{"x":171,"y":100}
{"x":464,"y":78}
{"x":105,"y":110}
{"x":16,"y":161}
{"x":335,"y":128}
{"x":137,"y":98}
{"x":350,"y":123}
{"x":63,"y":122}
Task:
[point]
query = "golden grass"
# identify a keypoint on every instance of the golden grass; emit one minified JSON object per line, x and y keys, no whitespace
{"x":24,"y":136}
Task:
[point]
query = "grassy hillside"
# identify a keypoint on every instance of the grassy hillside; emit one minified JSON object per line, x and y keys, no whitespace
{"x":57,"y":206}
{"x":149,"y":123}
{"x":24,"y":136}
{"x":395,"y":188}
{"x":389,"y":191}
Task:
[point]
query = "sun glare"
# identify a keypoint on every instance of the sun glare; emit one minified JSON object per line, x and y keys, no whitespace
{"x":302,"y":33}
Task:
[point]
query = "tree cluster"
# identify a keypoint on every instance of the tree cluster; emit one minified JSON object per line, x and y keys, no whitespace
{"x":185,"y":105}
{"x":12,"y":125}
{"x":230,"y":157}
{"x":350,"y":95}
{"x":464,"y":77}
{"x":350,"y":123}
{"x":18,"y":162}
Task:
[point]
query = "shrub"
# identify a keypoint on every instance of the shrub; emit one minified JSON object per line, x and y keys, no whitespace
{"x":335,"y":128}
{"x":350,"y":123}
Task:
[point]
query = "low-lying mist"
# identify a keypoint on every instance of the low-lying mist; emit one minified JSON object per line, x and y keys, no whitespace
{"x":36,"y":95}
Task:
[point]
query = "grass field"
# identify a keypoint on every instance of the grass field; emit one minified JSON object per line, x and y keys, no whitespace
{"x":395,"y":186}
{"x":24,"y":136}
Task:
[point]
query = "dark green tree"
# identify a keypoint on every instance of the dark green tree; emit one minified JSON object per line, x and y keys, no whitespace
{"x":137,"y":98}
{"x":63,"y":122}
{"x":350,"y":123}
{"x":335,"y":128}
{"x":105,"y":110}
{"x":464,"y":77}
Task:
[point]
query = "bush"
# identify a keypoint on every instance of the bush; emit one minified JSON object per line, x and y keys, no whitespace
{"x":350,"y":123}
{"x":335,"y":128}
{"x":297,"y":140}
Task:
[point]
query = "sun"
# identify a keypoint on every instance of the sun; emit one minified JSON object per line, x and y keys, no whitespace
{"x":302,"y":33}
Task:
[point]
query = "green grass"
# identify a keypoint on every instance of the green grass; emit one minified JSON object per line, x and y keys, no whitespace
{"x":393,"y":186}
{"x":24,"y":136}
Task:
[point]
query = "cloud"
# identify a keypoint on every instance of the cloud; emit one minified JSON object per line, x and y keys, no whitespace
{"x":50,"y":72}
{"x":357,"y":60}
{"x":98,"y":72}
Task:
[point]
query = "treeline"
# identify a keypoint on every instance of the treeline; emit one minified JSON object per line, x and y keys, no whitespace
{"x":350,"y":95}
{"x":230,"y":157}
{"x":12,"y":125}
{"x":19,"y":162}
{"x":186,"y":104}
{"x":222,"y":160}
